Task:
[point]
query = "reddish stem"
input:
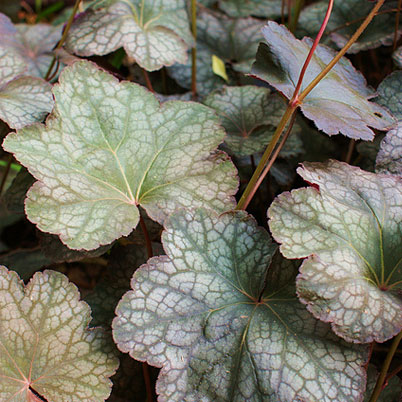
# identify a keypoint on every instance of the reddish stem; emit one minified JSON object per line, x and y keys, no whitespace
{"x":147,"y":80}
{"x":295,"y":100}
{"x":145,"y":367}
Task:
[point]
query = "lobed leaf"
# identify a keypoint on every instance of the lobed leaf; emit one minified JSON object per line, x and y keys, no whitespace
{"x":350,"y":230}
{"x":339,"y":103}
{"x":219,"y":314}
{"x":109,"y":147}
{"x":154,"y":33}
{"x":46,"y":346}
{"x":397,"y":56}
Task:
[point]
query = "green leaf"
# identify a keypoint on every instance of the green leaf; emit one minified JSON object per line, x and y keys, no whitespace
{"x":389,"y":158}
{"x":46,"y":345}
{"x":154,"y":33}
{"x":339,"y":103}
{"x":111,"y":147}
{"x":269,"y":9}
{"x":346,"y":17}
{"x":219,"y":314}
{"x":350,"y":230}
{"x":250,"y":116}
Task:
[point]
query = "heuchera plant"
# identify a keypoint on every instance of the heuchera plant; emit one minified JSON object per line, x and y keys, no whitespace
{"x":144,"y":131}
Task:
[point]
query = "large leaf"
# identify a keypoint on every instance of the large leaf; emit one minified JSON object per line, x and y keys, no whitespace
{"x":351,"y":231}
{"x":46,"y":347}
{"x":389,"y":158}
{"x":219,"y":314}
{"x":250,"y":116}
{"x":346,"y":17}
{"x":109,"y":147}
{"x":339,"y":103}
{"x":155,"y":33}
{"x":269,"y":9}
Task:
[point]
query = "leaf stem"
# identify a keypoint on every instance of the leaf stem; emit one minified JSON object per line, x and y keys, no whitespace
{"x":194,"y":49}
{"x":342,"y":52}
{"x":351,"y":148}
{"x":146,"y":236}
{"x":252,"y":185}
{"x":274,"y":156}
{"x":295,"y":99}
{"x":295,"y":17}
{"x":145,"y":367}
{"x":397,"y":17}
{"x":147,"y":80}
{"x":63,"y":37}
{"x":384,"y":369}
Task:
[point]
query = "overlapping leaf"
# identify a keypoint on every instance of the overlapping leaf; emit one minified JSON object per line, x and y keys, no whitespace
{"x":45,"y":345}
{"x":351,"y":231}
{"x":339,"y":103}
{"x":110,"y":147}
{"x":154,"y":33}
{"x":219,"y":314}
{"x":346,"y":17}
{"x":23,"y":100}
{"x":389,"y":157}
{"x":250,"y":116}
{"x":269,"y":9}
{"x":235,"y":41}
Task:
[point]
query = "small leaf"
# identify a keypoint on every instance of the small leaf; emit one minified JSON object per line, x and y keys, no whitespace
{"x":269,"y":9}
{"x":111,"y":147}
{"x":24,"y":101}
{"x":339,"y":103}
{"x":350,"y":230}
{"x":250,"y":116}
{"x":46,"y":345}
{"x":346,"y":17}
{"x":154,"y":34}
{"x":218,"y":67}
{"x":219,"y":314}
{"x":389,"y":158}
